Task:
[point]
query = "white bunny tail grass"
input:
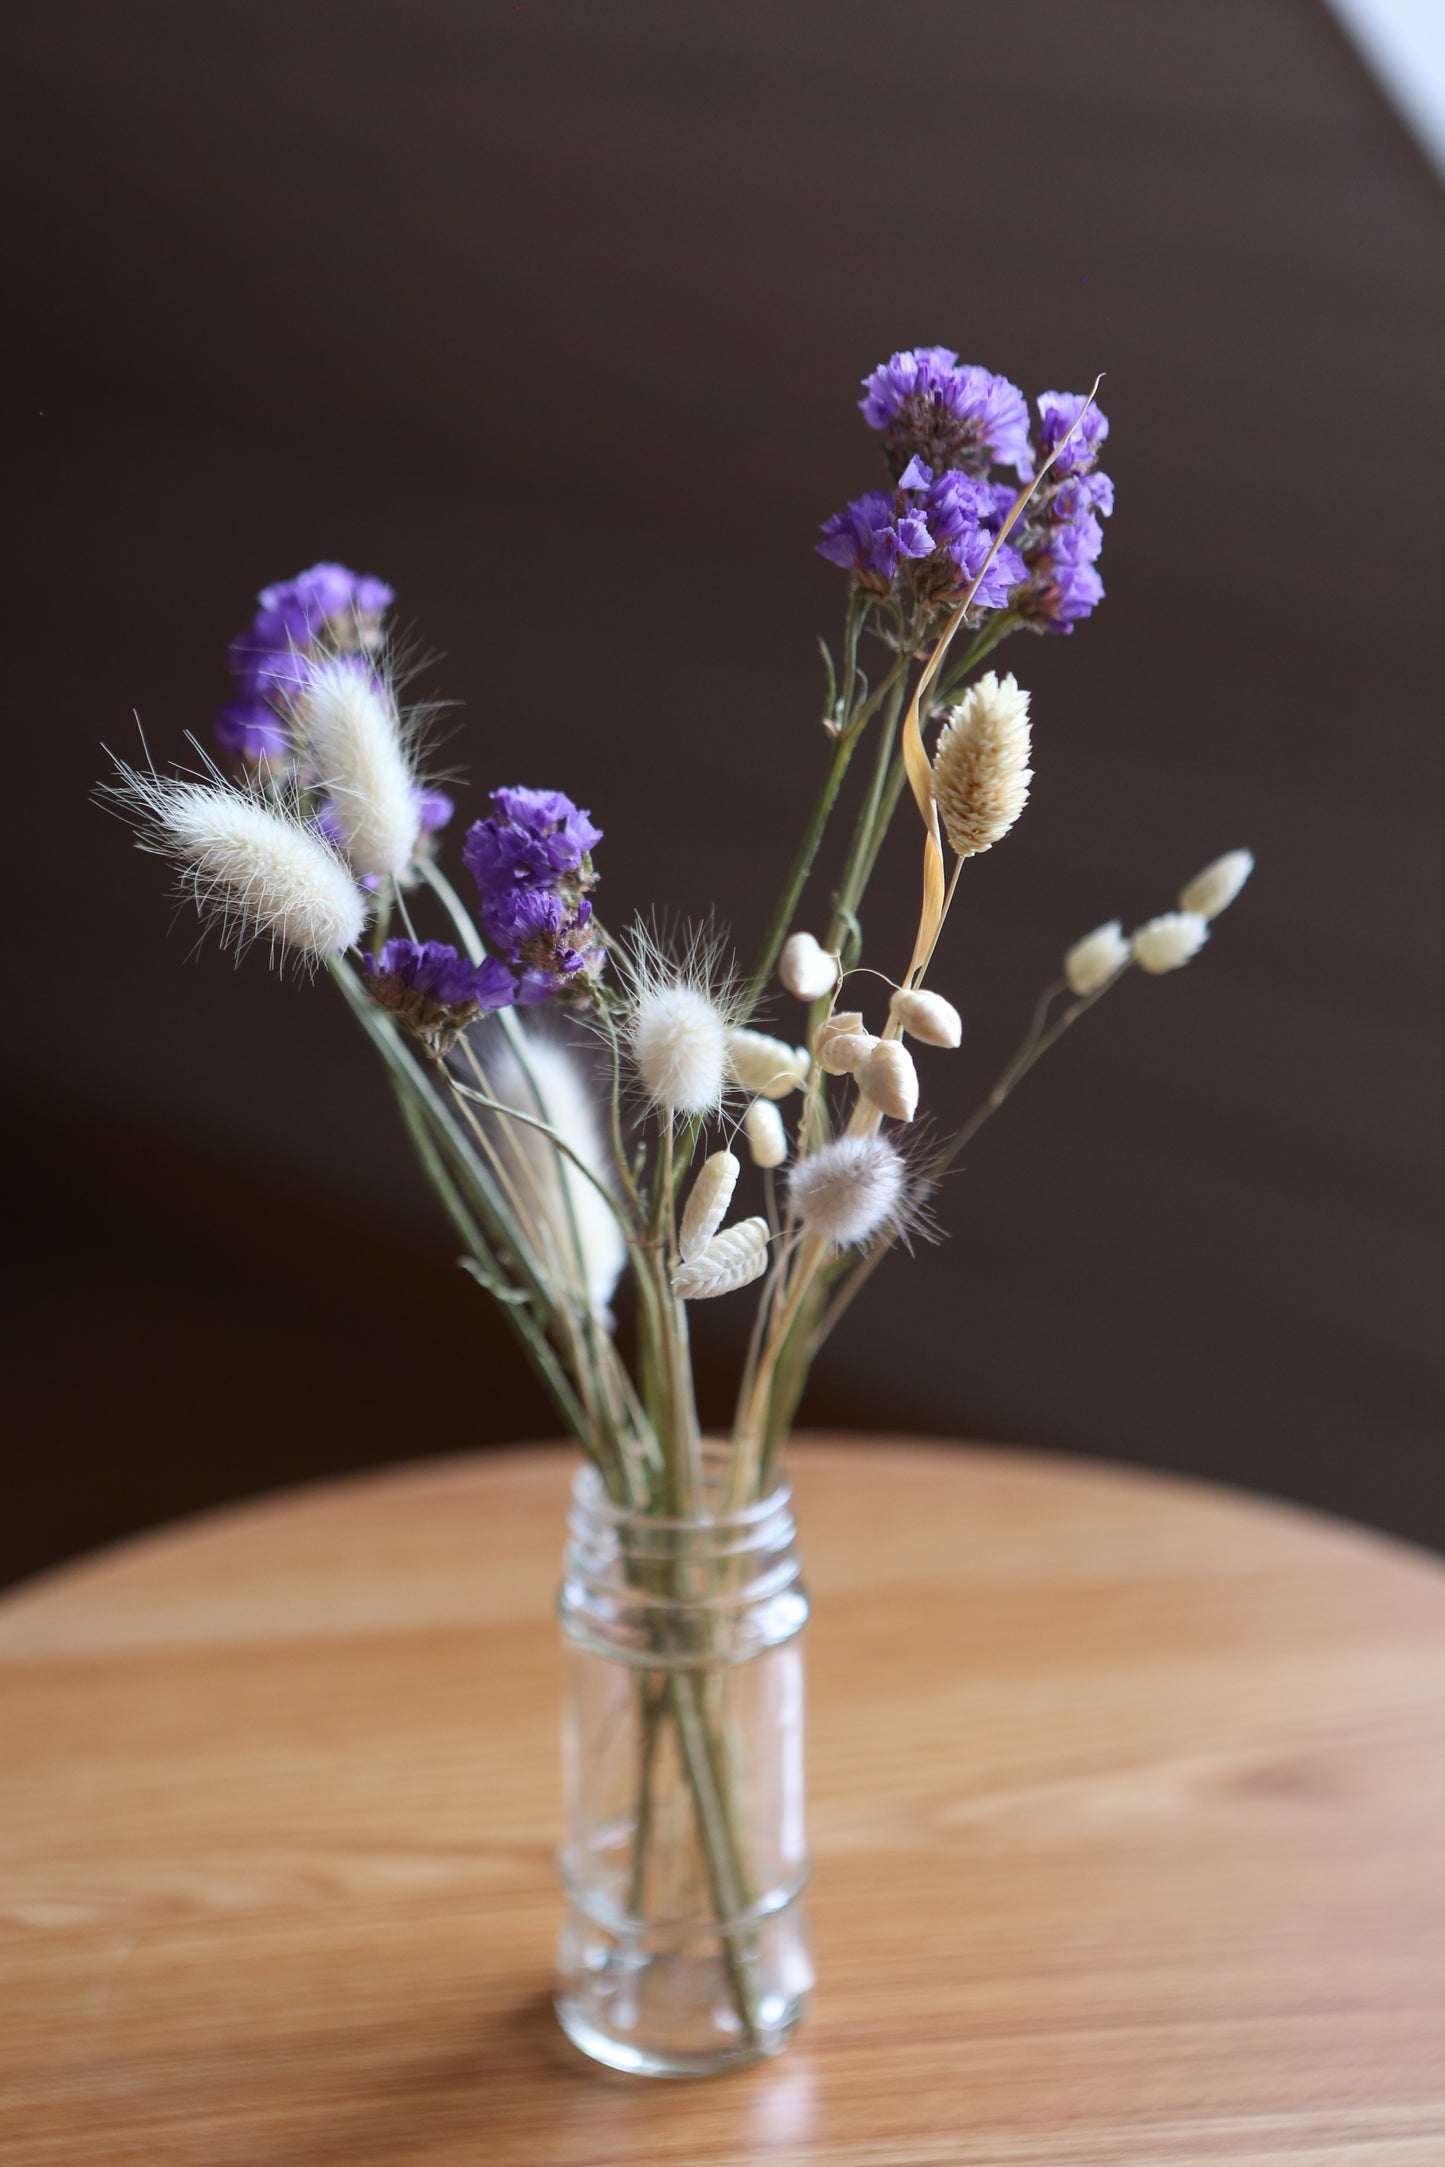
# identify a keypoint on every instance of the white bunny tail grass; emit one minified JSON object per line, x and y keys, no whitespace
{"x":730,"y":1260}
{"x":352,"y":738}
{"x":850,"y":1190}
{"x":574,"y":1229}
{"x":254,"y":870}
{"x":680,"y":1010}
{"x":981,"y":771}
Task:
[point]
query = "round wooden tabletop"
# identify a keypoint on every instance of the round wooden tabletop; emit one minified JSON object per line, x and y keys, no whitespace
{"x":1128,"y":1813}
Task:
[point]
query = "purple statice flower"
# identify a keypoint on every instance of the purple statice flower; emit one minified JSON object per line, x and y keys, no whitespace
{"x":1061,"y":539}
{"x":531,"y":836}
{"x":250,"y":730}
{"x":870,"y":536}
{"x":327,"y":610}
{"x":443,"y":972}
{"x":937,"y":524}
{"x":532,"y":863}
{"x":957,"y":511}
{"x":1058,"y":411}
{"x":929,"y":405}
{"x":548,"y":937}
{"x":434,"y":810}
{"x":329,"y":599}
{"x":434,"y":991}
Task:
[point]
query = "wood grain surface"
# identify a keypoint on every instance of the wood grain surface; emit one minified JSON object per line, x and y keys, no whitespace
{"x":1128,"y":1808}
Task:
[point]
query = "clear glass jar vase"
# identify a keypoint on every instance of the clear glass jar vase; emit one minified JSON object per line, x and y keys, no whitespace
{"x":685,"y":1947}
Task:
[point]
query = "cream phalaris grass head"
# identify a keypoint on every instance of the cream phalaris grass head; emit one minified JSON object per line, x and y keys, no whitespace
{"x":981,"y":771}
{"x":1216,"y":887}
{"x":1097,"y":958}
{"x":1168,"y":942}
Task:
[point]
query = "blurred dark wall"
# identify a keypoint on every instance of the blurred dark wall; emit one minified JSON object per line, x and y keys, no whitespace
{"x":554,"y":315}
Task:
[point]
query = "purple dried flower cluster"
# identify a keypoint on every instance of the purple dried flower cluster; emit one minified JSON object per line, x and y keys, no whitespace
{"x":326,"y":610}
{"x":531,"y":860}
{"x":940,"y":525}
{"x":928,"y":405}
{"x":433,"y":990}
{"x":1059,"y":536}
{"x":320,"y":614}
{"x":945,"y":425}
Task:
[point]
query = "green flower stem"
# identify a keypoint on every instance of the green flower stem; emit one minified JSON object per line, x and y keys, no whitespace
{"x":797,"y":879}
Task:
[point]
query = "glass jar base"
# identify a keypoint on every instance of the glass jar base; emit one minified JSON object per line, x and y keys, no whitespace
{"x":614,"y":2050}
{"x":675,"y":2008}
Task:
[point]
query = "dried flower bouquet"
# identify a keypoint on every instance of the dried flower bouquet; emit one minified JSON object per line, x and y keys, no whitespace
{"x":613,"y":1141}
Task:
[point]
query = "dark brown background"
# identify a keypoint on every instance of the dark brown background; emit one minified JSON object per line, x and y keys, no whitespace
{"x":554,"y":314}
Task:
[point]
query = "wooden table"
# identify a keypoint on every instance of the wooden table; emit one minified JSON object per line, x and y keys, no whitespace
{"x":1128,"y":1805}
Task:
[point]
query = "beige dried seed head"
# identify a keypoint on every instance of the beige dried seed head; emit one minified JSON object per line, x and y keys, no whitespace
{"x":843,"y":1042}
{"x":1097,"y":958}
{"x":730,"y":1260}
{"x":806,"y":968}
{"x":1216,"y":887}
{"x":767,"y":1138}
{"x":708,"y":1201}
{"x":981,"y":771}
{"x":889,"y":1080}
{"x":1168,"y":942}
{"x":927,"y":1017}
{"x":768,"y":1066}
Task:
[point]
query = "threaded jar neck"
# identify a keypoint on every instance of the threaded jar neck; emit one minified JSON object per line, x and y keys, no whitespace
{"x":659,"y":1591}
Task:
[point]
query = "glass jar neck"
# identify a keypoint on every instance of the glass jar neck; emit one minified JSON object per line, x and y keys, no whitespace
{"x":649,"y":1589}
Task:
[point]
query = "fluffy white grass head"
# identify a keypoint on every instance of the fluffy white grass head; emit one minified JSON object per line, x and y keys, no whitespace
{"x":850,"y":1190}
{"x":768,"y":1066}
{"x":348,"y":725}
{"x":679,"y":1048}
{"x":254,"y":871}
{"x":572,"y":1226}
{"x":981,"y":771}
{"x":927,"y":1017}
{"x":1166,"y":943}
{"x":1097,"y":958}
{"x":708,"y":1201}
{"x":681,"y":1006}
{"x":767,"y":1138}
{"x":730,"y":1260}
{"x":806,"y":969}
{"x":1216,"y":887}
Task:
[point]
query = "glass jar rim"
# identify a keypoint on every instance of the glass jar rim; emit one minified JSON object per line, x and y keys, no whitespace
{"x":590,"y":1493}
